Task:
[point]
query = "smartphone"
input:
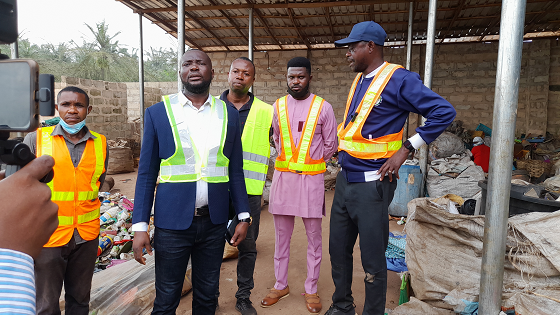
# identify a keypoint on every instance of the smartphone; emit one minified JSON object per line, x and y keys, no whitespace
{"x":231,"y":229}
{"x":18,"y":83}
{"x":26,"y":94}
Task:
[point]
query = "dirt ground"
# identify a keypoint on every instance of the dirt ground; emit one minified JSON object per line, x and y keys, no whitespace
{"x":264,"y":270}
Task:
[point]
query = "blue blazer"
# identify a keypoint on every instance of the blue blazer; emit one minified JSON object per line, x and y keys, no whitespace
{"x":174,"y":205}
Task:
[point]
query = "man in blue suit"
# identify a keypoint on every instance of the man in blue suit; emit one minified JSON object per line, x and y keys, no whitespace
{"x":193,"y":141}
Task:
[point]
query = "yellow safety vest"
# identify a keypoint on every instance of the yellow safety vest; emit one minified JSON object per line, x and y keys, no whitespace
{"x":256,"y":146}
{"x":292,"y":159}
{"x":186,"y":164}
{"x":350,"y":137}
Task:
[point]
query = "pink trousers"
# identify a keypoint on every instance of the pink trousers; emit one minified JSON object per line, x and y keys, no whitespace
{"x":284,"y":225}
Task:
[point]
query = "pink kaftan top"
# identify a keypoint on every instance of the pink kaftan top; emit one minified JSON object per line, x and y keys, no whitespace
{"x":295,"y":194}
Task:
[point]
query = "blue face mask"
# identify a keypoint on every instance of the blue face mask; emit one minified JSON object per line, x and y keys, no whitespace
{"x":72,"y":129}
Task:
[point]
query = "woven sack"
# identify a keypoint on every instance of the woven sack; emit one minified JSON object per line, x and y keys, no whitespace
{"x":120,"y":161}
{"x":534,"y":167}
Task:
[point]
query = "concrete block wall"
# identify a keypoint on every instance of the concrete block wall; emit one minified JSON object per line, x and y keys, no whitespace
{"x":553,"y":109}
{"x":166,"y":88}
{"x":464,"y":74}
{"x":152,"y":94}
{"x":532,"y":113}
{"x":109,"y":101}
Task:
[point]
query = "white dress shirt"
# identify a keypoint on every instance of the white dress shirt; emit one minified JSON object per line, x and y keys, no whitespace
{"x":196,"y":120}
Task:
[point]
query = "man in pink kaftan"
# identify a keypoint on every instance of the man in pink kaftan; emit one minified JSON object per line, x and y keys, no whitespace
{"x":298,"y":188}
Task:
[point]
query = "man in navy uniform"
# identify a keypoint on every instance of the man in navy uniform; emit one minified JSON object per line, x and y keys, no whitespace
{"x":371,"y":152}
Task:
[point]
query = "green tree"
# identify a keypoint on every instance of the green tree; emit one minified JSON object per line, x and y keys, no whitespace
{"x":98,"y":57}
{"x":160,"y":65}
{"x":103,"y":58}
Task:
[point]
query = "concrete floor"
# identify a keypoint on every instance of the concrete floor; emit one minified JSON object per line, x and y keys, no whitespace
{"x":264,"y":270}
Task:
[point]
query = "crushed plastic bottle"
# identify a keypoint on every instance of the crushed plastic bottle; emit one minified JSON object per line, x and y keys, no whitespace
{"x":115,"y":251}
{"x":109,"y":214}
{"x":127,"y":256}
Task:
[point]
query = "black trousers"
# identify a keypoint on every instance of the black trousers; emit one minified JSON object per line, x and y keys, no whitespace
{"x":72,"y":265}
{"x":203,"y":242}
{"x":248,"y":251}
{"x":360,"y":208}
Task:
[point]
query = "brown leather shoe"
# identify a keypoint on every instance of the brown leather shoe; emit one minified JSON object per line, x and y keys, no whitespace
{"x":313,"y":303}
{"x":274,"y":296}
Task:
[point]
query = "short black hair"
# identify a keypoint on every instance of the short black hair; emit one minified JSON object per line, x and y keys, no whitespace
{"x":300,"y":62}
{"x":74,"y":89}
{"x":248,"y":60}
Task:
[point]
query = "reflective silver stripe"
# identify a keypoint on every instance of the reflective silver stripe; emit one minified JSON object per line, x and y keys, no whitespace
{"x":214,"y":171}
{"x":255,"y":157}
{"x":254,"y":175}
{"x":186,"y":169}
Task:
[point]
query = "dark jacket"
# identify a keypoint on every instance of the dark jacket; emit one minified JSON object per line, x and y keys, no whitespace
{"x":175,"y":202}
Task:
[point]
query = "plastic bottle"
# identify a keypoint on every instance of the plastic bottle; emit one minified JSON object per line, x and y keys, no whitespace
{"x":115,"y":251}
{"x":127,"y":256}
{"x":124,"y":215}
{"x":111,"y":213}
{"x":104,"y":243}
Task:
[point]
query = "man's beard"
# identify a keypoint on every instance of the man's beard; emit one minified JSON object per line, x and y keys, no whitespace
{"x":299,"y":94}
{"x":199,"y":88}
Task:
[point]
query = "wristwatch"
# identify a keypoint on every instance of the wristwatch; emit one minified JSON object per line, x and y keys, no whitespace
{"x":408,"y":146}
{"x":247,"y":220}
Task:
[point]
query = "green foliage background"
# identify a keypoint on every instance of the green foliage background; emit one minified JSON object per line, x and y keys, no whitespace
{"x":100,"y":57}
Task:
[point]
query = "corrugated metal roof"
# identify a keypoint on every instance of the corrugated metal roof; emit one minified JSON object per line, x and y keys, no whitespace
{"x":222,"y":25}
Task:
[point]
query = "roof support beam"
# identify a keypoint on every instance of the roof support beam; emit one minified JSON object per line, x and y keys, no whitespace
{"x":291,"y":5}
{"x":455,"y":16}
{"x":508,"y":73}
{"x":165,"y":23}
{"x":371,"y":15}
{"x":181,"y":41}
{"x":529,"y":26}
{"x":232,"y":21}
{"x":297,"y":27}
{"x":490,"y":26}
{"x":202,"y":24}
{"x":327,"y":11}
{"x":263,"y":22}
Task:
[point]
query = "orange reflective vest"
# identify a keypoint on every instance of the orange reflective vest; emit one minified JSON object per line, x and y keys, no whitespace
{"x":74,"y":189}
{"x":350,"y":137}
{"x":292,"y":159}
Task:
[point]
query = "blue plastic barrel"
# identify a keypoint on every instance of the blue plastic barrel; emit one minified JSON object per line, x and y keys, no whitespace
{"x":408,"y":188}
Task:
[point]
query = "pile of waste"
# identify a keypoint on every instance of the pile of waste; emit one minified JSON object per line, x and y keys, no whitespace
{"x":115,"y":239}
{"x":444,"y":258}
{"x":333,"y":168}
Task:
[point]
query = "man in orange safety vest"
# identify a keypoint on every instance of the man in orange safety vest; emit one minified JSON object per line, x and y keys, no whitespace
{"x":81,"y":157}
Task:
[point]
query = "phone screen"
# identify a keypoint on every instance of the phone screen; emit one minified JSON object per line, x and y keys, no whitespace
{"x":18,"y":82}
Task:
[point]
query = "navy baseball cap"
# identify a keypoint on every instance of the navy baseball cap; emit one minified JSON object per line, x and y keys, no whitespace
{"x":364,"y":31}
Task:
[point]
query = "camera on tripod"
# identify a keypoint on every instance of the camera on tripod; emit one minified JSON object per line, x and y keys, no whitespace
{"x":24,"y":94}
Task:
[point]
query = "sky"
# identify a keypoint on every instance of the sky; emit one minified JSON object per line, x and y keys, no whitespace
{"x":58,"y":21}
